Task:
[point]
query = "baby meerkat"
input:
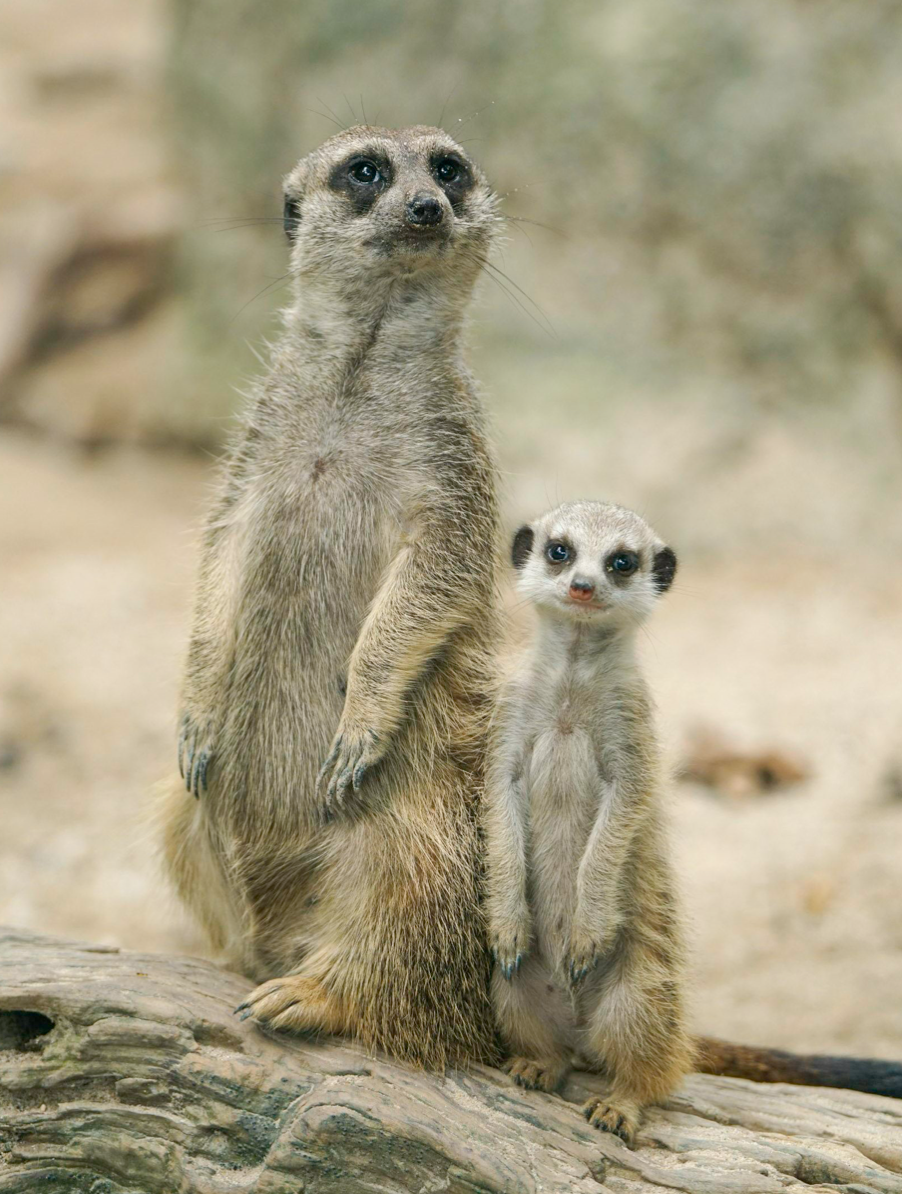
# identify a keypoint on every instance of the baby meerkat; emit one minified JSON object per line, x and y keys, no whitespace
{"x":583,"y":920}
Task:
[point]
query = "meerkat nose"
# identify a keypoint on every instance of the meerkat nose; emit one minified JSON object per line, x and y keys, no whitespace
{"x":424,"y":210}
{"x":581,"y":590}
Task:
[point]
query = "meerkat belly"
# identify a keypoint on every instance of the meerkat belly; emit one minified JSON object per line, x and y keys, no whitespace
{"x":319,"y":541}
{"x":563,"y":795}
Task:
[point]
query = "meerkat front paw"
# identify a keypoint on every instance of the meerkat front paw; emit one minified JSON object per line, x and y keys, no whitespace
{"x":584,"y":954}
{"x":509,"y":943}
{"x":355,"y":750}
{"x":620,"y":1117}
{"x":590,"y":940}
{"x":195,"y":753}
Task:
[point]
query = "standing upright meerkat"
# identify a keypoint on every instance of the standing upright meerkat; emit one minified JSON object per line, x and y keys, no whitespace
{"x":582,"y":914}
{"x":583,"y":918}
{"x":337,"y":685}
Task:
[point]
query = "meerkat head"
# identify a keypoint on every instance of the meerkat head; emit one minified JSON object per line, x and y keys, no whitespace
{"x":388,"y":200}
{"x":593,"y":562}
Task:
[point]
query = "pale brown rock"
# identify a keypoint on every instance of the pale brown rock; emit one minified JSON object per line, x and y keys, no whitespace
{"x":125,"y":1073}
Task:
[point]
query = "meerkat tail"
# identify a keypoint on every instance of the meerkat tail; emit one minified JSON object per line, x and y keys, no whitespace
{"x":870,"y":1075}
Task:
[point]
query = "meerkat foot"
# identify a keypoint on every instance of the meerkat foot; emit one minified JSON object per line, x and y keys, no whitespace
{"x":544,"y":1075}
{"x":291,"y":1004}
{"x":620,"y":1117}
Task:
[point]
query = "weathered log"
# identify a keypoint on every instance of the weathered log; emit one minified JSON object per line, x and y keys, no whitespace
{"x":124,"y":1073}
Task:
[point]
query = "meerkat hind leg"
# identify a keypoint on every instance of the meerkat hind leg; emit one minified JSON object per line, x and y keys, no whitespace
{"x":534,"y":1014}
{"x":635,"y":1031}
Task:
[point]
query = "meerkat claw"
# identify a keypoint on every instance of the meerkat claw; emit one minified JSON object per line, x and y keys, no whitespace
{"x":200,"y":774}
{"x":581,"y":966}
{"x":183,"y":742}
{"x":194,"y":755}
{"x":327,"y":768}
{"x":507,"y":965}
{"x":619,"y":1121}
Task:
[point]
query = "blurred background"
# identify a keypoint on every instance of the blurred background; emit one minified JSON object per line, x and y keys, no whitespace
{"x":703,"y":320}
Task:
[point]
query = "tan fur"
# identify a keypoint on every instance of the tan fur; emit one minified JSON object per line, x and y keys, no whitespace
{"x":583,"y":919}
{"x":352,"y":550}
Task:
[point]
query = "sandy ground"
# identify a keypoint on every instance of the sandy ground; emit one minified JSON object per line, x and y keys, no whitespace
{"x":794,"y":898}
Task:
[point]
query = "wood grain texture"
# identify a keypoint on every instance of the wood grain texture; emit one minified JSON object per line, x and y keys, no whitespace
{"x":125,"y":1073}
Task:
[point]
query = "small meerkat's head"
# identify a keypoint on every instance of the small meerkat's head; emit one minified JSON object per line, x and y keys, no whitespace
{"x":593,"y":562}
{"x":395,"y":200}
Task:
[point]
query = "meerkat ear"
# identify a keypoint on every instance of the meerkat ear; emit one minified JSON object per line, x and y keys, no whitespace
{"x":291,"y":215}
{"x":522,"y":546}
{"x":664,"y":569}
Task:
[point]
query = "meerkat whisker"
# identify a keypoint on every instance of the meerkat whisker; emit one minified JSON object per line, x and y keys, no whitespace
{"x":537,"y":224}
{"x":441,"y":115}
{"x":549,"y":326}
{"x":332,"y":113}
{"x":270,"y":287}
{"x":332,"y":119}
{"x":512,"y":298}
{"x":354,"y":116}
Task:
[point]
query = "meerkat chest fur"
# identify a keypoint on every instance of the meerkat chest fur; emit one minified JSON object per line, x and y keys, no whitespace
{"x":572,"y":699}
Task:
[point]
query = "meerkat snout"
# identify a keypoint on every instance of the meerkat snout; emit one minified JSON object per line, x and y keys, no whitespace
{"x":424,"y":211}
{"x":581,"y":589}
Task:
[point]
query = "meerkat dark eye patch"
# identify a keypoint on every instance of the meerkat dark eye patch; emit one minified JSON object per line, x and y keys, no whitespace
{"x":291,"y":216}
{"x":362,"y":178}
{"x":664,"y":569}
{"x":559,"y":552}
{"x":522,"y":546}
{"x":621,"y":564}
{"x":453,"y":175}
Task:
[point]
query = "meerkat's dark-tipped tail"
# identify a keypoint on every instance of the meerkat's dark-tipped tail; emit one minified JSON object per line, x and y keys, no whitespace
{"x":774,"y":1065}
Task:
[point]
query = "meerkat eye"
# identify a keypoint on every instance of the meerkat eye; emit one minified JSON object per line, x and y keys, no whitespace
{"x":624,"y":563}
{"x":447,"y":170}
{"x":558,"y":553}
{"x":364,"y":172}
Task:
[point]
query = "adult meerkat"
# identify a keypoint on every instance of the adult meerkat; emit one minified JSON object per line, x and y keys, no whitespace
{"x":583,"y":919}
{"x":337,"y":684}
